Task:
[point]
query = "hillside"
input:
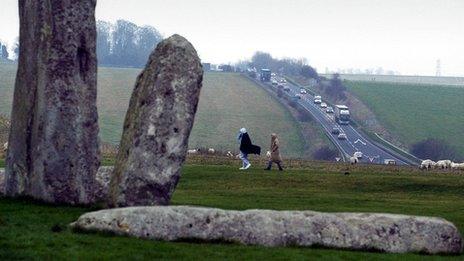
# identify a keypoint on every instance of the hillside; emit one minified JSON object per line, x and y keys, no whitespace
{"x":227,"y":102}
{"x":416,"y":112}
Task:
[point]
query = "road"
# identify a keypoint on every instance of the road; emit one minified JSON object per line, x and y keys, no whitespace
{"x":372,"y":153}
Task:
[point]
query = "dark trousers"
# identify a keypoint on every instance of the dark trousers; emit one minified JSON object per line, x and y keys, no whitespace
{"x":269,"y":165}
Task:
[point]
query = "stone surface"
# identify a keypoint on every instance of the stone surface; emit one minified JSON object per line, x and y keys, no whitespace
{"x":157,"y":126}
{"x":103,"y":178}
{"x":2,"y":182}
{"x":101,"y":185}
{"x":53,"y":145}
{"x":359,"y":231}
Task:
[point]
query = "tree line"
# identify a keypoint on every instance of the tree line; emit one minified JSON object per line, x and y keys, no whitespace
{"x":124,"y":44}
{"x":119,"y":44}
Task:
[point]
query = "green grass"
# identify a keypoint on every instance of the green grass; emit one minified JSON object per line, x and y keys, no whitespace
{"x":227,"y":103}
{"x":26,"y":227}
{"x":416,"y":112}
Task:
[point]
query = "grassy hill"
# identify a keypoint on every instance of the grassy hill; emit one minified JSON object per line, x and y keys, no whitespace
{"x":227,"y":103}
{"x":27,"y":228}
{"x":416,"y":112}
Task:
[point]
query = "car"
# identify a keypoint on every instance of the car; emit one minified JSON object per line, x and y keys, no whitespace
{"x":303,"y":91}
{"x":329,"y":109}
{"x":335,"y":131}
{"x":358,"y":154}
{"x":286,"y":88}
{"x":298,"y":96}
{"x":317,"y":99}
{"x":274,"y":82}
{"x":323,"y":105}
{"x":283,"y":80}
{"x":389,"y":162}
{"x":342,"y":136}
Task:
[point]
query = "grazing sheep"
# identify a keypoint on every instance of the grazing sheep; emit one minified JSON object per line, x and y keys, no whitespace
{"x":427,"y":164}
{"x":268,"y":154}
{"x":194,"y":151}
{"x":229,"y":154}
{"x":353,"y":160}
{"x":443,"y":164}
{"x":211,"y":150}
{"x":457,"y":166}
{"x":5,"y":146}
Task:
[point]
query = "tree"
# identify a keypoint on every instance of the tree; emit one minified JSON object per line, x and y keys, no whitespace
{"x":16,"y":48}
{"x":433,"y":149}
{"x":3,"y":52}
{"x":325,"y":153}
{"x":308,"y":72}
{"x":262,"y":60}
{"x":335,"y":88}
{"x":125,"y":44}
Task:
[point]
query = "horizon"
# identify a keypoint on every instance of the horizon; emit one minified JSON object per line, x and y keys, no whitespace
{"x":350,"y":37}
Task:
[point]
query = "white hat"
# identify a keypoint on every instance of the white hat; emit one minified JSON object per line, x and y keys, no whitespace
{"x":243,"y":130}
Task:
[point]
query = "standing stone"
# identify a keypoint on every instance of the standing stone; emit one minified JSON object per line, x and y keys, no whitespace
{"x":53,"y":150}
{"x":157,"y":126}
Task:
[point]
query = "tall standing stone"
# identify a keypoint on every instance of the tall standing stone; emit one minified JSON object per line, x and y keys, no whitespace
{"x":157,"y":126}
{"x":53,"y":145}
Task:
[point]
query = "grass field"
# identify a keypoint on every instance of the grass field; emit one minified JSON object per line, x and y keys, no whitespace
{"x":414,"y":112}
{"x":26,"y":227}
{"x":227,"y":103}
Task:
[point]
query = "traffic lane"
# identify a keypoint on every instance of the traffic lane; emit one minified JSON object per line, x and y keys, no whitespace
{"x":354,"y":142}
{"x":371,"y":152}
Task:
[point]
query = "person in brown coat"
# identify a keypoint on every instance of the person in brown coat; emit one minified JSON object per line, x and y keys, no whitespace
{"x":275,"y":153}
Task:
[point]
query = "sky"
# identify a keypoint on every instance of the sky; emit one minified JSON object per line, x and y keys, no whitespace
{"x":407,"y":36}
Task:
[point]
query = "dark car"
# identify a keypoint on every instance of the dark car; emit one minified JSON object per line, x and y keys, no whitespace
{"x":336,"y":131}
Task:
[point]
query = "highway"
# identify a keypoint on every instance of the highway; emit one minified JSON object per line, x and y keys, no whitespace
{"x":372,"y":153}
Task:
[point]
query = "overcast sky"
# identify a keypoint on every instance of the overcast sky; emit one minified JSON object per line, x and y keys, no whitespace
{"x":401,"y":35}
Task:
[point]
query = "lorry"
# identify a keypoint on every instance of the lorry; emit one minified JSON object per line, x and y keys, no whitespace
{"x":265,"y":75}
{"x":342,"y":114}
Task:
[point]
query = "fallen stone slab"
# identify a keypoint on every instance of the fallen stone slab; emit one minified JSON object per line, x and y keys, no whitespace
{"x":357,"y":231}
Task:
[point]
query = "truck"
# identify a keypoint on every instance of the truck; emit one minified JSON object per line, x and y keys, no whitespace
{"x":342,"y":114}
{"x":265,"y":75}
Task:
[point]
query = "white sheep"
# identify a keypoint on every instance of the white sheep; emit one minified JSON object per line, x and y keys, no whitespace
{"x":268,"y":154}
{"x":194,"y":151}
{"x":211,"y":150}
{"x":5,"y":146}
{"x":427,"y":164}
{"x":443,"y":164}
{"x":353,"y":160}
{"x":457,"y":166}
{"x":229,"y":154}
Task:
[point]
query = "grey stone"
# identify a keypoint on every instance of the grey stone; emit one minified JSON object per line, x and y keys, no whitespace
{"x":101,"y":185}
{"x":53,"y":150}
{"x":358,"y":231}
{"x":2,"y":182}
{"x":157,"y":126}
{"x":103,"y":178}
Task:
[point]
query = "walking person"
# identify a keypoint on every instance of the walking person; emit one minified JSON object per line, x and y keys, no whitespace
{"x":246,"y":147}
{"x":275,"y":153}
